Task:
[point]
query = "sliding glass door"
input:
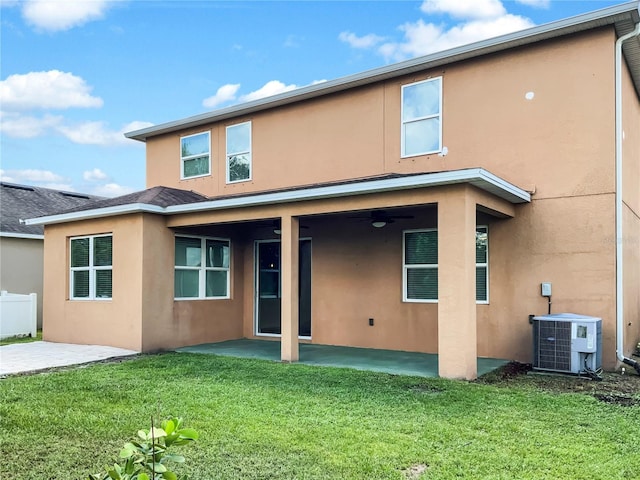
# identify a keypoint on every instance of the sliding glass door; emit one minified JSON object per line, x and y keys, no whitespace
{"x":268,"y":288}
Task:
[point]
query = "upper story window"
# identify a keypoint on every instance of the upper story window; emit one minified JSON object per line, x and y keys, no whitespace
{"x":422,"y":117}
{"x":91,"y":267}
{"x":195,"y":157}
{"x":201,"y":267}
{"x":239,"y":152}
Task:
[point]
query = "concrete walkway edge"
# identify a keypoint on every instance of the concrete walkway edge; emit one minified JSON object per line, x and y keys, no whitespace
{"x":37,"y":356}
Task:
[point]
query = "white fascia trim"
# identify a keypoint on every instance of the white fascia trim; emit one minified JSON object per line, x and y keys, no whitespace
{"x":476,"y":176}
{"x":21,"y":235}
{"x":95,"y":213}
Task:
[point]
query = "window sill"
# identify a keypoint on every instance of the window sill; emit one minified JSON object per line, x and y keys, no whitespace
{"x":186,"y":299}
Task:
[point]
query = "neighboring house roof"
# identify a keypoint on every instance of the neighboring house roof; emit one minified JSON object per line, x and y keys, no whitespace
{"x":623,"y":18}
{"x":148,"y":202}
{"x":18,"y":202}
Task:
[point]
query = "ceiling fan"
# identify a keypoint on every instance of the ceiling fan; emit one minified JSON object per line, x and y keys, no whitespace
{"x":380,"y":218}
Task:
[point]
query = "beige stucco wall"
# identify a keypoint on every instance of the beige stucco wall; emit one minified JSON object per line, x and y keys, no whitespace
{"x":631,"y":213}
{"x":554,"y":143}
{"x":115,"y":322}
{"x":169,"y":323}
{"x":21,"y":265}
{"x":559,"y":145}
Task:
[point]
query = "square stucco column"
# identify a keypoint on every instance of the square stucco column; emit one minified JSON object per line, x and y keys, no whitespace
{"x":290,"y":249}
{"x":457,"y":337}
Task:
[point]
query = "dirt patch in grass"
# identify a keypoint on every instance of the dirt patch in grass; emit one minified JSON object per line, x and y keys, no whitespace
{"x":414,"y":471}
{"x":614,"y":387}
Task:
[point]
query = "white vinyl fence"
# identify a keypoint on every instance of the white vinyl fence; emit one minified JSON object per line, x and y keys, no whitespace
{"x":18,"y":314}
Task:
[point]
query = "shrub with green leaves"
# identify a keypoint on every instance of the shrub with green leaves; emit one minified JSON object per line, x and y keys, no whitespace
{"x":149,"y":458}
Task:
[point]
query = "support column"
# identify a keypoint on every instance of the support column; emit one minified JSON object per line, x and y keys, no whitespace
{"x":289,"y":251}
{"x":457,"y":337}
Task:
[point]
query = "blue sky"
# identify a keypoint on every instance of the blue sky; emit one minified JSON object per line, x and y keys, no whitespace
{"x":75,"y":75}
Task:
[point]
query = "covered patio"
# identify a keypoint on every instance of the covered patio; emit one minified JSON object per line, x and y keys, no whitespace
{"x":387,"y":361}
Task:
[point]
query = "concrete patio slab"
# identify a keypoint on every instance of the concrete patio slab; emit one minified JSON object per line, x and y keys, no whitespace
{"x":388,"y":361}
{"x":35,"y":356}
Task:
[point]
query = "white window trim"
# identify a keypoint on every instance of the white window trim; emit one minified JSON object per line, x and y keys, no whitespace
{"x":484,"y":302}
{"x":406,"y":267}
{"x":91,"y":269}
{"x":203,"y":269}
{"x":249,"y":153}
{"x":189,"y":157}
{"x":403,"y":122}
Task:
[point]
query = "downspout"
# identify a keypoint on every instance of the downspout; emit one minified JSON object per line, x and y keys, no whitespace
{"x":619,"y":237}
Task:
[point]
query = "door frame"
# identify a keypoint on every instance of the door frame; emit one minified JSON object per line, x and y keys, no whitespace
{"x":256,"y":281}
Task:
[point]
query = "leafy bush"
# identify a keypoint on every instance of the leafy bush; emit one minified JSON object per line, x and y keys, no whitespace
{"x":148,"y":458}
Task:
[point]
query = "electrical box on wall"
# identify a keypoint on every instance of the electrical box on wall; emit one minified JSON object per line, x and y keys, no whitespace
{"x":545,"y":289}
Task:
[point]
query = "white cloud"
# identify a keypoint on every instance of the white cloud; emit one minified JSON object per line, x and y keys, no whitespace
{"x":97,"y":133}
{"x":481,"y":19}
{"x":366,"y":41}
{"x":112,"y":190}
{"x":46,"y":90}
{"x":272,"y":87}
{"x":422,"y":38}
{"x":225,"y":93}
{"x":32,"y":175}
{"x":467,"y":9}
{"x":52,"y":15}
{"x":23,"y":126}
{"x":94,"y":175}
{"x":535,"y":3}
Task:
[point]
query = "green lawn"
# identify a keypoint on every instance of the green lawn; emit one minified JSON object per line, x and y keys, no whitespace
{"x":262,"y":420}
{"x":26,"y":339}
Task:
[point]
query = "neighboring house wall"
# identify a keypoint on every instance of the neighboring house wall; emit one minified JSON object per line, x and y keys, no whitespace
{"x":21,"y":267}
{"x":631,"y":213}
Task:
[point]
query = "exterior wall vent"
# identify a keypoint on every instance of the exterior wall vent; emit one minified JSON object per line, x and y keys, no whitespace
{"x":567,"y":343}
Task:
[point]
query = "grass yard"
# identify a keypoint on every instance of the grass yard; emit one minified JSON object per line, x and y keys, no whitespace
{"x":263,"y":420}
{"x":24,"y":339}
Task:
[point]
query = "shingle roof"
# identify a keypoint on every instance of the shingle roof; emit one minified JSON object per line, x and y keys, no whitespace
{"x":159,"y":196}
{"x":24,"y":201}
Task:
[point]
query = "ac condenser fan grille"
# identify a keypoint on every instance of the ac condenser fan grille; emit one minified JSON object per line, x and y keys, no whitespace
{"x":554,"y":347}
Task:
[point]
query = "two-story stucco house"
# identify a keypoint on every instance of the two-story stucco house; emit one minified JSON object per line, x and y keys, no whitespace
{"x":414,"y":207}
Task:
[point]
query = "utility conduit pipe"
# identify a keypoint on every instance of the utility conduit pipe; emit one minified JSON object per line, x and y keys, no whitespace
{"x":619,"y":237}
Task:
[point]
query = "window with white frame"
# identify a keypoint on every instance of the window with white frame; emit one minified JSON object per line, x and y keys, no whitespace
{"x":201,"y":267}
{"x":195,"y":158}
{"x":420,"y":265}
{"x":422,"y":117}
{"x":482,"y":264}
{"x":420,"y":260}
{"x":91,"y":265}
{"x":239,"y":152}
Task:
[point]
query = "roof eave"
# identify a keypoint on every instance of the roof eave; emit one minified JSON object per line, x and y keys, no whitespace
{"x":95,"y":213}
{"x":624,"y":13}
{"x":477,"y":177}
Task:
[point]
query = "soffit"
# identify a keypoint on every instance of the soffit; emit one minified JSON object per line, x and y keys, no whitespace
{"x":477,"y":177}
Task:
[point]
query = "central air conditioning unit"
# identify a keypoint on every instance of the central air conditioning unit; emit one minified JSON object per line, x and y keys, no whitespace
{"x":567,"y":343}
